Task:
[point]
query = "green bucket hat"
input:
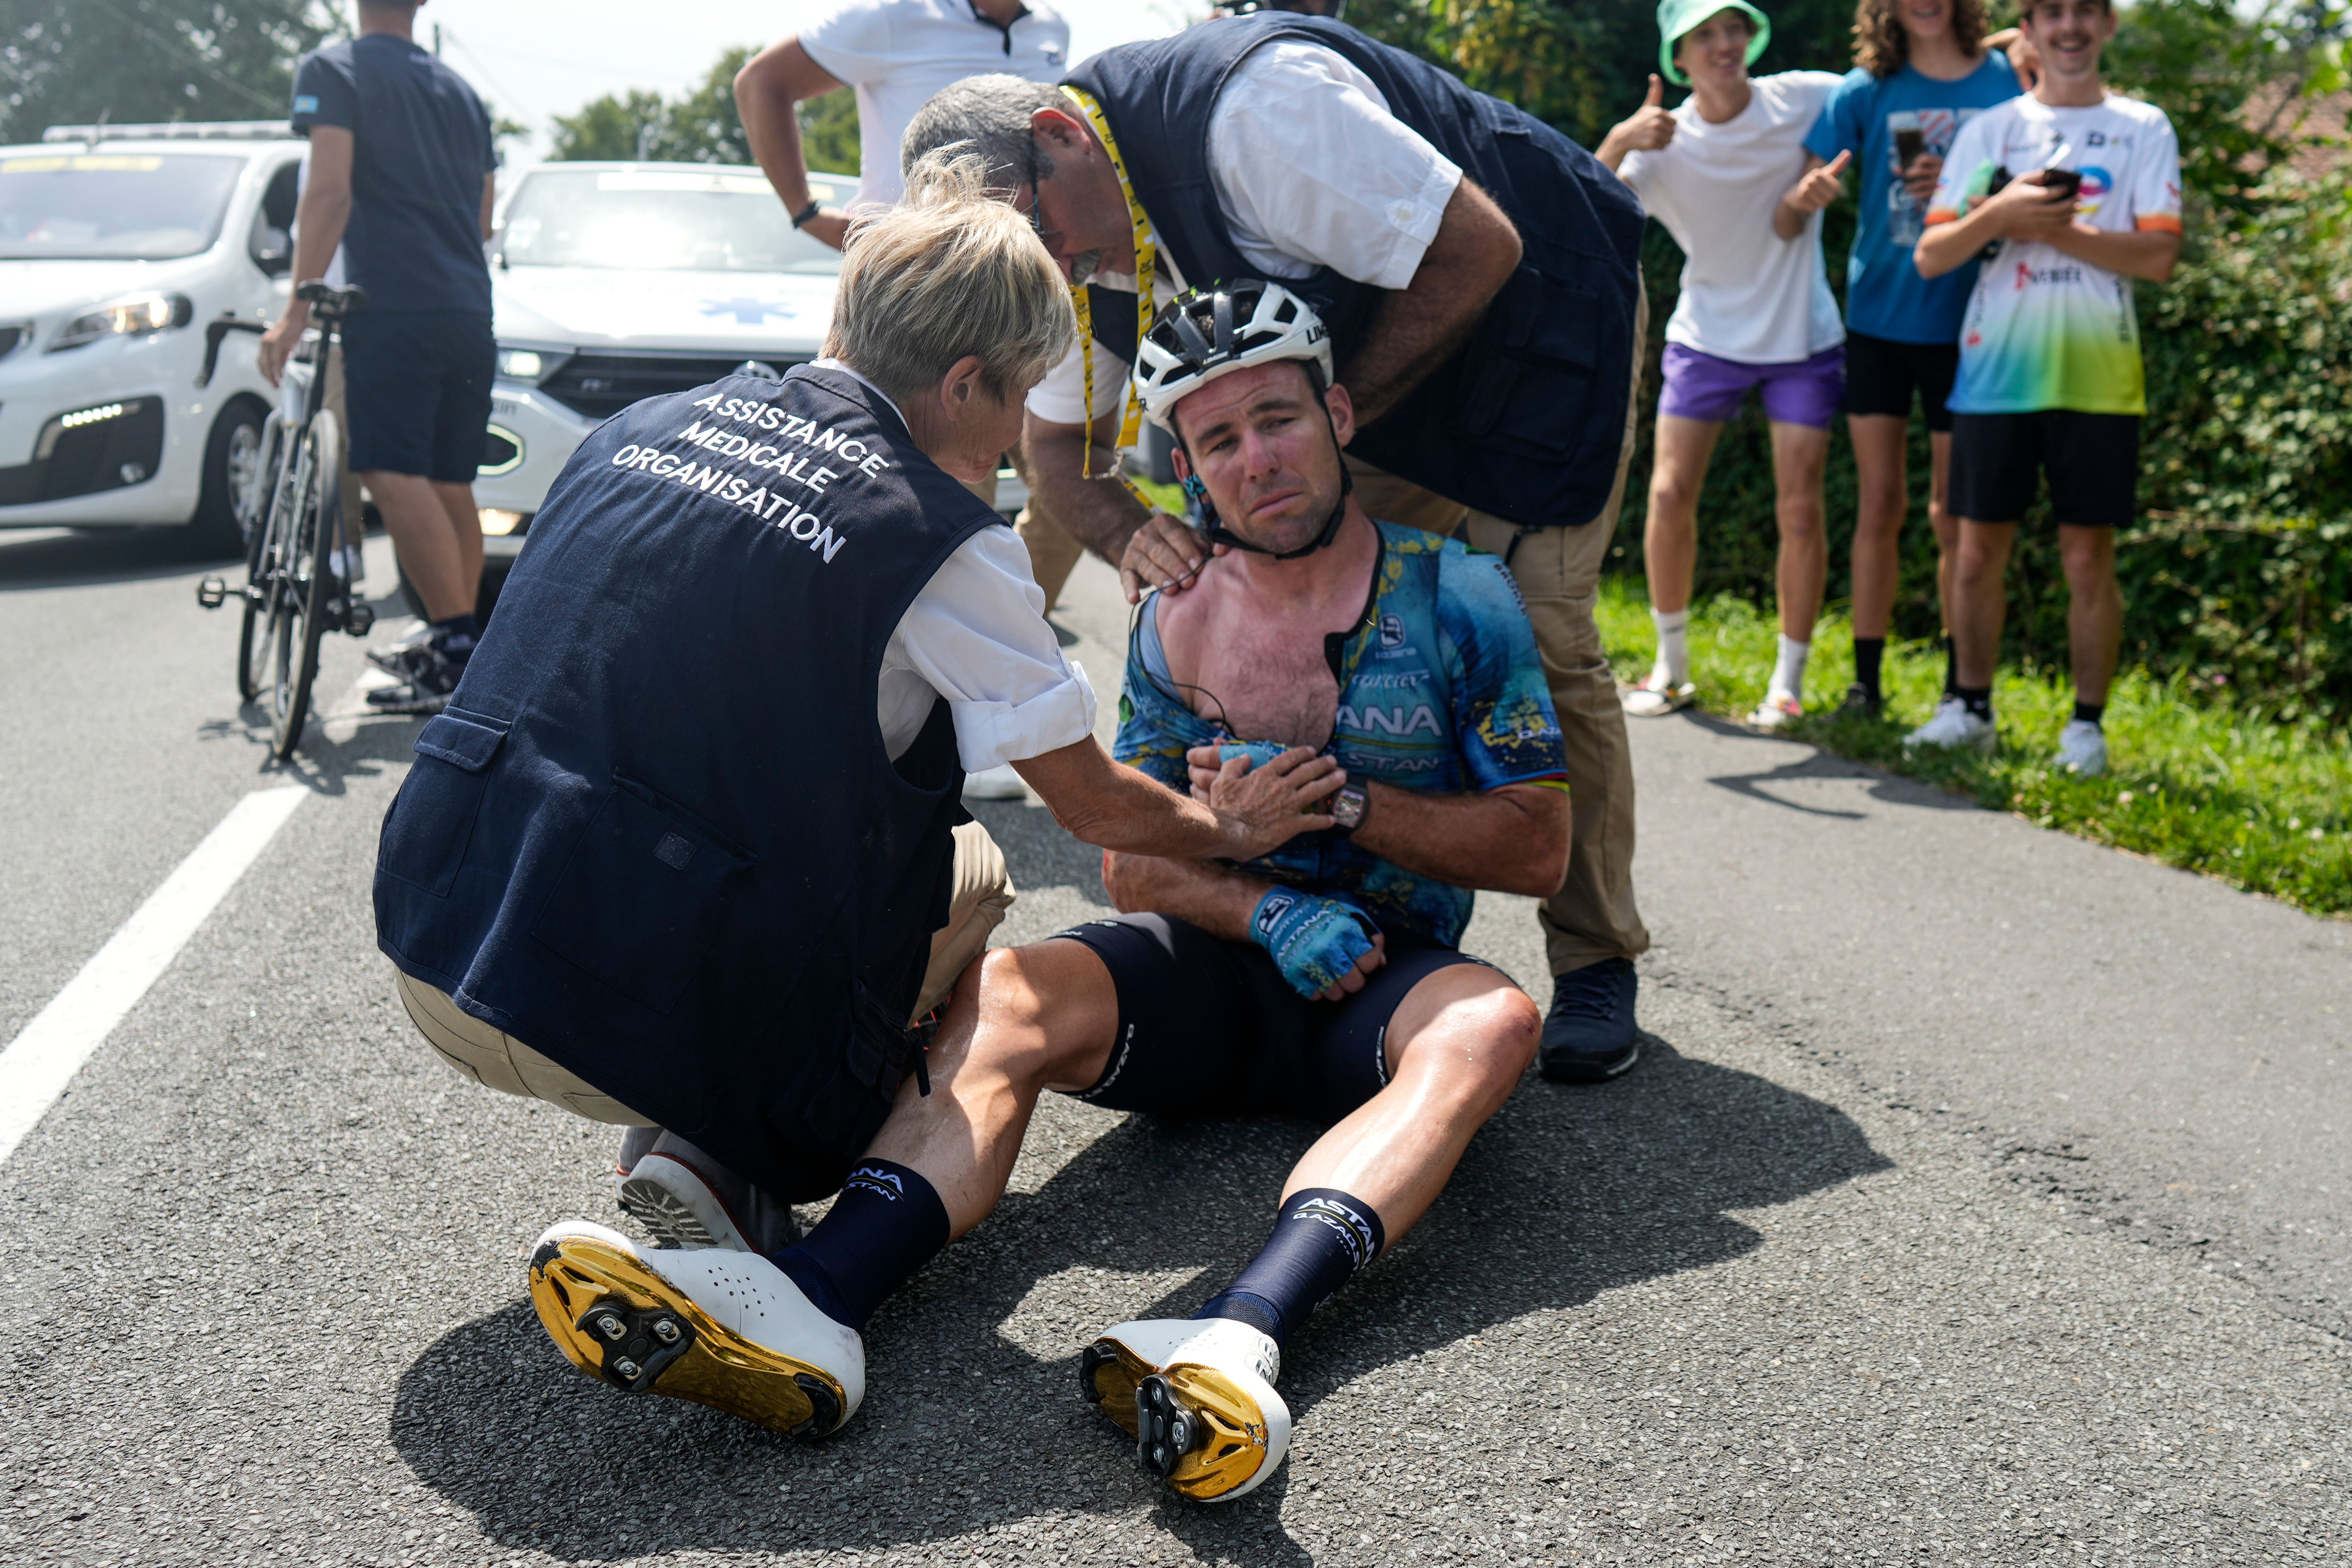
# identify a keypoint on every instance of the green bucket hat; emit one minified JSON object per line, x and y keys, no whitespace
{"x":1677,"y":17}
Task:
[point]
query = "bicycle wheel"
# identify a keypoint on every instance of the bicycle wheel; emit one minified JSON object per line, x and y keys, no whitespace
{"x":305,"y":580}
{"x":260,"y":509}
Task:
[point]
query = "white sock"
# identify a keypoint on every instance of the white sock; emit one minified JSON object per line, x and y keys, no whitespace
{"x":1788,"y":674}
{"x":1673,"y":644}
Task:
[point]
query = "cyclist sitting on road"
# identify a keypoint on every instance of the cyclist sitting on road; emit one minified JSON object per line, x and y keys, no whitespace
{"x":400,"y":161}
{"x":1321,"y":979}
{"x":684,"y":849}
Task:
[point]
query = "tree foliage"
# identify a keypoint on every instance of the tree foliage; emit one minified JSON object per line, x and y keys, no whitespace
{"x":702,"y":125}
{"x":73,"y":61}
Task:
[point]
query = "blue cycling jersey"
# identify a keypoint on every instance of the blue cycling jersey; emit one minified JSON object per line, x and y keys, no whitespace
{"x":1441,"y":690}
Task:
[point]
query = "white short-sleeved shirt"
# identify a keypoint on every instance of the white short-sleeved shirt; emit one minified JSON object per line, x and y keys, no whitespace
{"x":976,"y":635}
{"x":1747,"y":294}
{"x":898,"y":53}
{"x":1310,"y":170}
{"x":2044,"y":329}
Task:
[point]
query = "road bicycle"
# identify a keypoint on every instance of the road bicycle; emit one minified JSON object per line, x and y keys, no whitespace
{"x":296,"y":584}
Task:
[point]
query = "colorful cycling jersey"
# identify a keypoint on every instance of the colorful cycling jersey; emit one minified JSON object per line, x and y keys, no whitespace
{"x":1441,"y":690}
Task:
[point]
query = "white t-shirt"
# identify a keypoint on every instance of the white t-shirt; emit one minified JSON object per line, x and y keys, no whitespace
{"x":2044,"y":329}
{"x":1310,"y":170}
{"x":898,"y":53}
{"x":976,"y":635}
{"x":1747,"y":294}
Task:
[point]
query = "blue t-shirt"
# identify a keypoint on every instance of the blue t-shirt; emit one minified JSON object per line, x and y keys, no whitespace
{"x":1440,"y":690}
{"x":1885,"y":295}
{"x":420,"y":145}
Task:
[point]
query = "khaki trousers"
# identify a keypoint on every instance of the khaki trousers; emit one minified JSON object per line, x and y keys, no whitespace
{"x":1593,"y":916}
{"x":983,"y":891}
{"x":1053,"y":553}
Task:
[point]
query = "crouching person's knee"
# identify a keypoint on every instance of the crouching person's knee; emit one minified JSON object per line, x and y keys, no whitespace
{"x":491,"y":1056}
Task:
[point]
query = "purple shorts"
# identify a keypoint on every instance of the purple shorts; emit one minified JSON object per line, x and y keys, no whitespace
{"x":1795,"y":392}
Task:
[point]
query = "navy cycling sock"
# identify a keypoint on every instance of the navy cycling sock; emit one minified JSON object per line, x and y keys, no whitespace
{"x":1869,"y":653}
{"x":887,"y":1222}
{"x":1321,"y":1238}
{"x":455,"y":636}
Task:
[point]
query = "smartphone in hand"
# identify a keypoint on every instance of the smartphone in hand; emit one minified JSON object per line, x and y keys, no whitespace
{"x":1908,"y":146}
{"x":2067,"y":180}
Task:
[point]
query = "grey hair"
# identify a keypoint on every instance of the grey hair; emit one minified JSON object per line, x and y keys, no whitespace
{"x":986,"y":117}
{"x":948,"y":272}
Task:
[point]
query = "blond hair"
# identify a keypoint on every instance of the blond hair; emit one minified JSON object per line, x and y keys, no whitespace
{"x":950,"y":272}
{"x":1881,"y":46}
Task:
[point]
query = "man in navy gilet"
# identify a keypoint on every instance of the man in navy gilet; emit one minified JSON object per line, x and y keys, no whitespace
{"x":1478,"y":272}
{"x":684,"y":851}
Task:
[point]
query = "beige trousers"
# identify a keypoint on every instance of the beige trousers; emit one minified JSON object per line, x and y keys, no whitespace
{"x":1593,"y":916}
{"x":1053,"y":553}
{"x":347,"y":480}
{"x":983,"y":891}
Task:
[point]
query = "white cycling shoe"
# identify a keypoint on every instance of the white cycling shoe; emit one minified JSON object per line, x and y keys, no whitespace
{"x":1954,"y":725}
{"x":729,"y":1330}
{"x":1197,"y":1394}
{"x":2082,"y":748}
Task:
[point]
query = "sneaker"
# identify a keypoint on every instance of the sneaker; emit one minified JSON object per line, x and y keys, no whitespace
{"x":1589,"y":1036}
{"x":392,"y":657}
{"x":1197,"y":1396}
{"x":1657,"y":696}
{"x":1954,"y":725}
{"x":432,"y":676}
{"x":685,"y":1199}
{"x":1777,"y":708}
{"x":2082,"y":748}
{"x":1861,"y":702}
{"x":729,"y":1330}
{"x":999,"y":782}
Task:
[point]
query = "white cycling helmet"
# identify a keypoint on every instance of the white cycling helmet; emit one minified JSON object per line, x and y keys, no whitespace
{"x":1204,"y":334}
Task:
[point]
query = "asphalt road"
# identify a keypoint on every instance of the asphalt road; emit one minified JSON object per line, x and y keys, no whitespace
{"x":1981,"y":1198}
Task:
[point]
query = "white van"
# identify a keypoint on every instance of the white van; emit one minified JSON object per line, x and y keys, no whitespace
{"x":117,"y":246}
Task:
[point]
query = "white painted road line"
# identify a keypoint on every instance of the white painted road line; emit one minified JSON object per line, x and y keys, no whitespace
{"x":42,"y":1059}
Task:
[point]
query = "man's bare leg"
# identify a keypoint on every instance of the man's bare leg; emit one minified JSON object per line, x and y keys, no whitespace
{"x":437,"y":533}
{"x":1670,"y":554}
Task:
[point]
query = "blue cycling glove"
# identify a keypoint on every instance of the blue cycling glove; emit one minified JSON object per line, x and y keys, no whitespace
{"x":1314,"y":940}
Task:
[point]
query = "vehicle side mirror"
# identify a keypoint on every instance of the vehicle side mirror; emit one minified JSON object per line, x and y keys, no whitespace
{"x":271,"y":248}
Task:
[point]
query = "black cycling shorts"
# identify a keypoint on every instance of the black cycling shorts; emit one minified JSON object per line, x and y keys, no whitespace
{"x":1210,"y":1027}
{"x":1881,"y":375}
{"x":2092,"y":461}
{"x":418,"y":384}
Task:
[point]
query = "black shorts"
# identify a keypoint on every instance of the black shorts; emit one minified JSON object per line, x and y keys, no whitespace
{"x":2092,"y":461}
{"x":1210,"y":1027}
{"x":1881,"y":375}
{"x":418,"y":384}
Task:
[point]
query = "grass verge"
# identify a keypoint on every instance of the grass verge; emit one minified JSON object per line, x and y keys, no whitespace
{"x":2197,"y":782}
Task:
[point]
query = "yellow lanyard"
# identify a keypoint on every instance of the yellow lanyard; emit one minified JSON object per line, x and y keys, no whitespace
{"x":1147,"y":257}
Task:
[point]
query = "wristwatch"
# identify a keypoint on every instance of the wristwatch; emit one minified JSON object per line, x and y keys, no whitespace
{"x":1349,"y":803}
{"x":806,"y":213}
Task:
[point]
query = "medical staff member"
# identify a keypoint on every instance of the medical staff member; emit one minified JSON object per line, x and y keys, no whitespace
{"x":1478,"y":273}
{"x":684,"y":849}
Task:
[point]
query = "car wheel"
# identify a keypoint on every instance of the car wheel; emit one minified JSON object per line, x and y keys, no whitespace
{"x":231,"y":455}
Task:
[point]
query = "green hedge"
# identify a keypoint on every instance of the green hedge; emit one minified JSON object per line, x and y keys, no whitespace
{"x":2239,"y":576}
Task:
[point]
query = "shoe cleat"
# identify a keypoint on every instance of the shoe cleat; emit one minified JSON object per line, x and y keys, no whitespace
{"x":729,"y":1330}
{"x":1197,"y":1396}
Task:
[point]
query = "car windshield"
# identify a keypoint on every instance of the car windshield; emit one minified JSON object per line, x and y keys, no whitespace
{"x":141,"y":206}
{"x":660,"y":220}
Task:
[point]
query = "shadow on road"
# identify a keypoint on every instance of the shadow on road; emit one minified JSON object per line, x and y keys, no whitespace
{"x":972,"y":1420}
{"x":1891,"y":788}
{"x":51,"y":558}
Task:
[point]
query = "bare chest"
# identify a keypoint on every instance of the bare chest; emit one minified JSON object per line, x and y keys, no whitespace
{"x":1262,"y":682}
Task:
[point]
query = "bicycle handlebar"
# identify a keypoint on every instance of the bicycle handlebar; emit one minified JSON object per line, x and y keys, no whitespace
{"x":213,"y":333}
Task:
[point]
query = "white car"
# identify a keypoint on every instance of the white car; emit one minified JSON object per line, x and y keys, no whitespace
{"x":118,"y":247}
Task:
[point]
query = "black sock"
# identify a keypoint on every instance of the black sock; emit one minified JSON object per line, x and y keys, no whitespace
{"x":1979,"y":699}
{"x":1951,"y":669}
{"x":1868,"y":653}
{"x":1321,"y":1237}
{"x":2089,"y":712}
{"x":887,"y":1222}
{"x":454,"y":636}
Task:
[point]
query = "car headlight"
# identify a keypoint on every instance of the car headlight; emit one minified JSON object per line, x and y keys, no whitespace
{"x":134,"y":318}
{"x":529,"y":366}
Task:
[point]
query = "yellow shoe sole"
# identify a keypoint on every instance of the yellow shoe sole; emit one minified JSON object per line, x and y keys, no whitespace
{"x":1234,"y":1443}
{"x":623,"y":1324}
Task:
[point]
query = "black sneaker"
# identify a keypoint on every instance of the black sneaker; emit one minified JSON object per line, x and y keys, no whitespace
{"x":394,"y":657}
{"x":432,"y":676}
{"x":1589,"y":1035}
{"x":1861,"y":702}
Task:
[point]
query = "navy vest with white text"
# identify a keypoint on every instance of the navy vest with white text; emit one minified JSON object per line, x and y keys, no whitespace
{"x":656,"y":835}
{"x":1527,"y":418}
